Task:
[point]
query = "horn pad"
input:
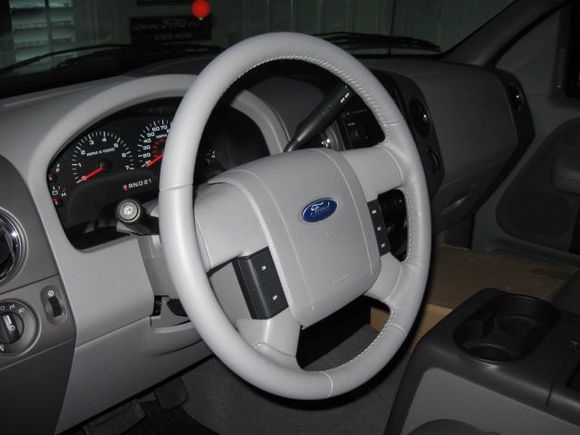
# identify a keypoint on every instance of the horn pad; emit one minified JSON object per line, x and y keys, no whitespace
{"x":313,"y":212}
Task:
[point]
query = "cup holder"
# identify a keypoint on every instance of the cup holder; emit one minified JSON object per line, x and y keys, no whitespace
{"x":516,"y":324}
{"x":507,"y":328}
{"x":490,"y":352}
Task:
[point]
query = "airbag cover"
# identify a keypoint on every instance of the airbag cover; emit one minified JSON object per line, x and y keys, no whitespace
{"x":319,"y":275}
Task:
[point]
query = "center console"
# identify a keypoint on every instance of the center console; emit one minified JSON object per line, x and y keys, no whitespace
{"x":504,"y":363}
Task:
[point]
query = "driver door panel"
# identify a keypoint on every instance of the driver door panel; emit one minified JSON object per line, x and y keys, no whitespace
{"x":535,"y":211}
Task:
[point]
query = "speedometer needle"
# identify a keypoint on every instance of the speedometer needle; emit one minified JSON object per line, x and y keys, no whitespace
{"x":91,"y":174}
{"x":155,"y":160}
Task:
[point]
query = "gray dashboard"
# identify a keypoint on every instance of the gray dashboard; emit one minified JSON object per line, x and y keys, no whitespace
{"x":121,"y":345}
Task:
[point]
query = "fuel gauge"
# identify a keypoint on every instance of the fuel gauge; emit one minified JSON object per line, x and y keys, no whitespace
{"x":58,"y":194}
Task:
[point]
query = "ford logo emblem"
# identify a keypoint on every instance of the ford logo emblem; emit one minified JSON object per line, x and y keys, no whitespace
{"x":319,"y":210}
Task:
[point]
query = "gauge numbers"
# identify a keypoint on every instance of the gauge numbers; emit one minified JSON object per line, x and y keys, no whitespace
{"x":97,"y":153}
{"x":151,"y":143}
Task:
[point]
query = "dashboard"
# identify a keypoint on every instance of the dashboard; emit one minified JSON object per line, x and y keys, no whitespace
{"x":70,"y":155}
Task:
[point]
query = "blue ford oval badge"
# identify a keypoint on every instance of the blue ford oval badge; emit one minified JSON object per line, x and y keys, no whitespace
{"x":319,"y":210}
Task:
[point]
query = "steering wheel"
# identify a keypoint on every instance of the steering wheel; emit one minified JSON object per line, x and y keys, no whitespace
{"x":309,"y":212}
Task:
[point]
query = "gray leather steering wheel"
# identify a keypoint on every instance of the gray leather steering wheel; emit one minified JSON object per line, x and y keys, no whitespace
{"x":321,"y":265}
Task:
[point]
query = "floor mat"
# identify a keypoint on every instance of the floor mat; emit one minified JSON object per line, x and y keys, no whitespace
{"x":228,"y":405}
{"x":167,"y":422}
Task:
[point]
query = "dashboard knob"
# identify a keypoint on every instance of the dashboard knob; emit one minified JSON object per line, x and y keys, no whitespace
{"x":18,"y":327}
{"x":11,"y":327}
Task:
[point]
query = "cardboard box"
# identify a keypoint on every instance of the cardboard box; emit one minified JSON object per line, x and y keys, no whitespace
{"x":457,"y":274}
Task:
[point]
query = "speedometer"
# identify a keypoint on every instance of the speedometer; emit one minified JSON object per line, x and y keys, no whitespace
{"x":151,"y":143}
{"x":97,"y":153}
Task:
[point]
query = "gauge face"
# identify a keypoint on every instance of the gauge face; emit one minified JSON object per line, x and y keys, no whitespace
{"x":151,"y":143}
{"x":98,"y":153}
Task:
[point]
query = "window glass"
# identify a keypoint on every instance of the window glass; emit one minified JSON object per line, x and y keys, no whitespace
{"x":32,"y":28}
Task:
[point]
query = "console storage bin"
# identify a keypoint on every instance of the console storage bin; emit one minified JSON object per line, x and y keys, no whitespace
{"x":506,"y":328}
{"x":503,"y":363}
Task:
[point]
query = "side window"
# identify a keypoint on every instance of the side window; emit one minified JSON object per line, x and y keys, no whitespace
{"x":37,"y":26}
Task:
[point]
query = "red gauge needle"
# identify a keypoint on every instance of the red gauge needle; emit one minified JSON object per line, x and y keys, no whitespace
{"x":155,"y":160}
{"x":91,"y":174}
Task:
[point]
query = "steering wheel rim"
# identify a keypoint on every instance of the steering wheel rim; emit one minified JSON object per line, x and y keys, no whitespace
{"x":394,"y":163}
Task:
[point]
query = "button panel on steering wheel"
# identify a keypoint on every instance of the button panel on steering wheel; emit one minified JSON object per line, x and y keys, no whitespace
{"x":260,"y":284}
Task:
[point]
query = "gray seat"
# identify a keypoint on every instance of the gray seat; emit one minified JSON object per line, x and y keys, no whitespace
{"x":568,"y":297}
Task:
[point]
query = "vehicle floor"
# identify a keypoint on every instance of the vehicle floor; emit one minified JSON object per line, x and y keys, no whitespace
{"x":228,"y":405}
{"x":220,"y":402}
{"x":175,"y":421}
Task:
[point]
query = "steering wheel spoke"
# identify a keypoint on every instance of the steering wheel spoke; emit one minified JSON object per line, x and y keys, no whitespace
{"x":220,"y":212}
{"x":276,"y":338}
{"x":391,"y":270}
{"x":376,"y":169}
{"x":390,"y":290}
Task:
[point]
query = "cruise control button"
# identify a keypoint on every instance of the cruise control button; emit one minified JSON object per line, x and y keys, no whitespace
{"x":380,"y":228}
{"x":257,"y":270}
{"x":260,"y":284}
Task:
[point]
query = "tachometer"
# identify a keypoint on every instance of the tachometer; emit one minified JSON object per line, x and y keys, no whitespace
{"x":97,"y":153}
{"x":151,"y":143}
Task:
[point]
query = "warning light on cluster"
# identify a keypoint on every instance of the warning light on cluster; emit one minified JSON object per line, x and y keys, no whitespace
{"x":200,"y":9}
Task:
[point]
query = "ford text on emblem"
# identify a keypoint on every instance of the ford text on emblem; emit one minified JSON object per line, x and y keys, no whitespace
{"x":319,"y":210}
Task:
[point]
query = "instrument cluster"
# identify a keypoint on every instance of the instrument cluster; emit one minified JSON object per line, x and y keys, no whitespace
{"x":120,"y":157}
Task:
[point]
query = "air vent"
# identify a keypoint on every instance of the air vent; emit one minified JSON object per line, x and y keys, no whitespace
{"x":420,"y":118}
{"x":11,"y":247}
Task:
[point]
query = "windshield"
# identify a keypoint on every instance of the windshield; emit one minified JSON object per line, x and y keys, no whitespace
{"x":75,"y":40}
